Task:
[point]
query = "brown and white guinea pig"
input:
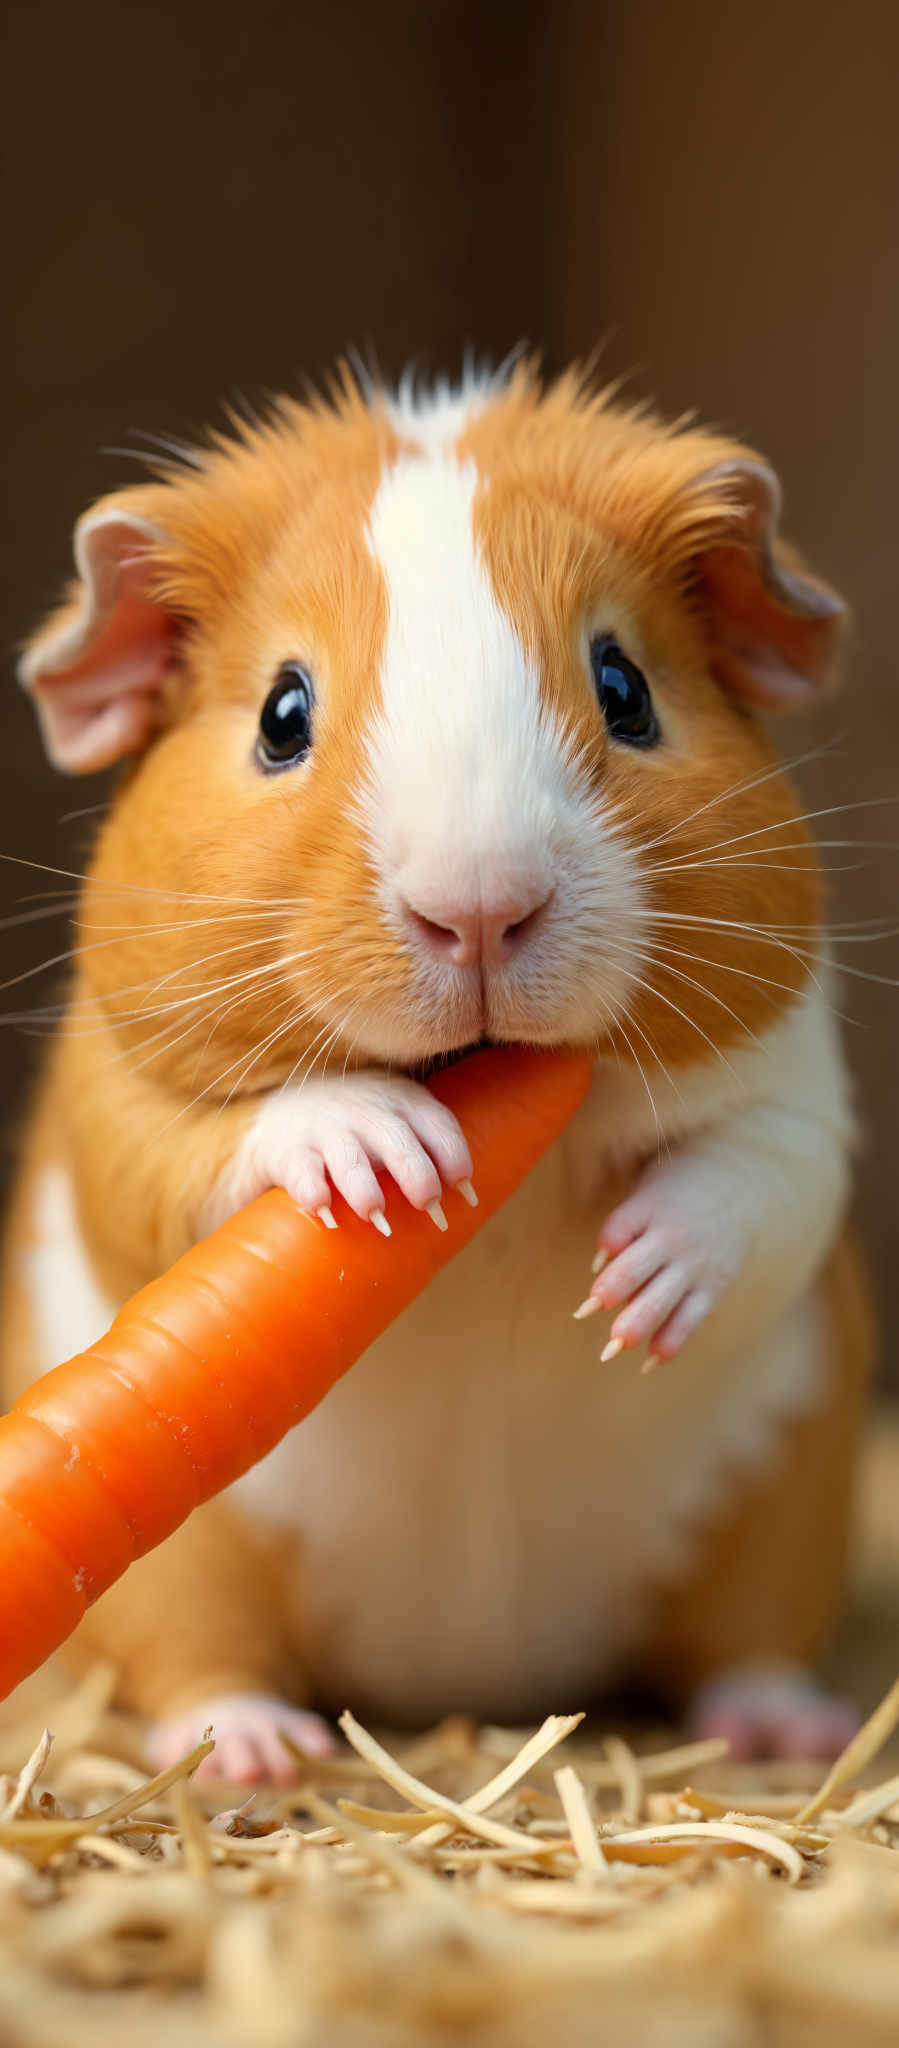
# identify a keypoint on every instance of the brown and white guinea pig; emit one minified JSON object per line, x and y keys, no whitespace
{"x":443,"y":716}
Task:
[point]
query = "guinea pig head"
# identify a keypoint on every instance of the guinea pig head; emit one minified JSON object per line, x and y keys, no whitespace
{"x":443,"y":713}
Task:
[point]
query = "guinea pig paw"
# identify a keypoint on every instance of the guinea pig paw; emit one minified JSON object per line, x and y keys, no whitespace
{"x":338,"y":1135}
{"x":663,"y":1268}
{"x":247,"y":1730}
{"x":772,"y":1711}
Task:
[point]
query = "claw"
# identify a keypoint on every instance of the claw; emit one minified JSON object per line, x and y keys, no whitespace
{"x":590,"y":1307}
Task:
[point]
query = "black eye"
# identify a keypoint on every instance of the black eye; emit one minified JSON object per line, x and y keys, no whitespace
{"x":285,"y":726}
{"x":623,"y":694}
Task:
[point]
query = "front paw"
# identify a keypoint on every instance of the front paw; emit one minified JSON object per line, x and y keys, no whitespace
{"x":338,"y":1134}
{"x":664,"y":1259}
{"x":247,"y":1730}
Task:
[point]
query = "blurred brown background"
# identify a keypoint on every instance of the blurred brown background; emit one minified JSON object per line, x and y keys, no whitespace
{"x":202,"y":201}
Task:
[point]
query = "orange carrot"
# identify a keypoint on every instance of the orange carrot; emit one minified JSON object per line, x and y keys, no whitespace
{"x":206,"y":1369}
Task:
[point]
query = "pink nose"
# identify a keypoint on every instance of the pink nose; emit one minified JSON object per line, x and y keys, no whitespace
{"x":486,"y":934}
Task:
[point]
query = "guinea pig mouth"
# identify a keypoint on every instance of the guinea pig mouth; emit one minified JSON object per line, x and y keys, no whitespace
{"x":423,"y":1070}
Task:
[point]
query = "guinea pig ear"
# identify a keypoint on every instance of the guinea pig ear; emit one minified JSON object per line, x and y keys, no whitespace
{"x":775,"y":630}
{"x":98,"y":670}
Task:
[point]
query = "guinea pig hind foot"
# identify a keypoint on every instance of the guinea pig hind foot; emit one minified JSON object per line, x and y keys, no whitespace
{"x":247,"y":1730}
{"x":773,"y":1710}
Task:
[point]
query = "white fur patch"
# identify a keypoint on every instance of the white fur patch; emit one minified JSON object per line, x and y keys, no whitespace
{"x":462,"y":745}
{"x":473,"y":790}
{"x":436,"y":415}
{"x":70,"y":1309}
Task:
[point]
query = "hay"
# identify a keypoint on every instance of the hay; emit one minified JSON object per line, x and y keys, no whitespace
{"x":470,"y":1885}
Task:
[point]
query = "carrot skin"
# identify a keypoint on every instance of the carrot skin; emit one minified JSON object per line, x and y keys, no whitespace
{"x":205,"y":1370}
{"x":89,"y":1404}
{"x":43,"y":1593}
{"x":81,"y":1519}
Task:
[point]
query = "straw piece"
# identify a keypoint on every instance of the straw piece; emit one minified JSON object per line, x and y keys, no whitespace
{"x":576,"y":1808}
{"x":554,"y":1730}
{"x":860,"y":1752}
{"x":868,"y":1806}
{"x":422,"y":1795}
{"x":387,"y":1820}
{"x":194,"y":1834}
{"x":627,"y":1769}
{"x":28,"y":1776}
{"x":762,"y":1841}
{"x":453,"y":1858}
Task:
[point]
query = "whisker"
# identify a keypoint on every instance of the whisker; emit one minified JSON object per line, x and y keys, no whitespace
{"x":798,"y":818}
{"x":130,"y":933}
{"x":312,"y":1057}
{"x":145,"y":889}
{"x":142,"y":1011}
{"x":744,"y":863}
{"x":251,"y":995}
{"x":197,"y":994}
{"x":242,"y":1077}
{"x":750,"y":856}
{"x":650,"y":958}
{"x":754,"y":781}
{"x":170,"y":1041}
{"x":142,"y":1014}
{"x":647,"y":985}
{"x":36,"y":915}
{"x":337,"y":995}
{"x":257,"y":1052}
{"x":660,"y":1134}
{"x":86,"y":811}
{"x":260,"y":1049}
{"x":865,"y":974}
{"x":730,"y":967}
{"x":767,"y":935}
{"x":222,"y":953}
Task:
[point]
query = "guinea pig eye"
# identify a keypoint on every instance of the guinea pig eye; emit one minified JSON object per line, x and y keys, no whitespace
{"x":285,"y":724}
{"x":623,"y":694}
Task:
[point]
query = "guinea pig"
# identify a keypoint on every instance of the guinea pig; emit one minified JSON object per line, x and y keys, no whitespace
{"x":442,"y":711}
